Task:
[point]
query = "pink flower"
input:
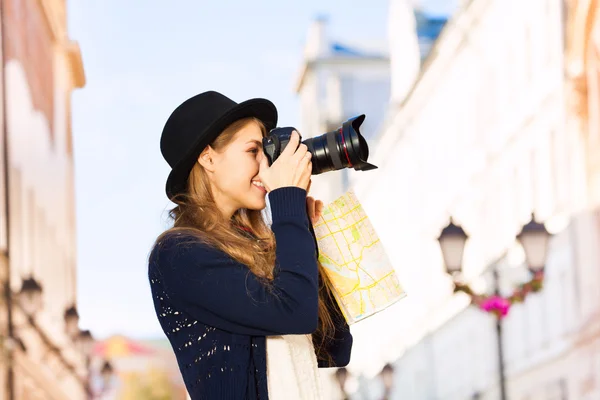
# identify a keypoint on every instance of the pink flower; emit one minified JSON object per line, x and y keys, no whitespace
{"x":496,"y":304}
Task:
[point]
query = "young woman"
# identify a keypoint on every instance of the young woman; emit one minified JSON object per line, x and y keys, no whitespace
{"x":245,"y":307}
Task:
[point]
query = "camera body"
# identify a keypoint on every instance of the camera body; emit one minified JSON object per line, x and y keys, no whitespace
{"x":343,"y":148}
{"x":277,"y":140}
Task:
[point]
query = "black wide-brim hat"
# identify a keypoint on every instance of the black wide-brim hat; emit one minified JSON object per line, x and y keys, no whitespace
{"x":196,"y":123}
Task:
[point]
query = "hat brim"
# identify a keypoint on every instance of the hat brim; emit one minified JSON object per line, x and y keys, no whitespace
{"x":262,"y":109}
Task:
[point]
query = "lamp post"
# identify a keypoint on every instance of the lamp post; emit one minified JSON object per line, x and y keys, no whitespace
{"x":387,"y":376}
{"x":30,"y":299}
{"x":72,"y":321}
{"x":86,"y":342}
{"x":533,"y":237}
{"x":106,"y":372}
{"x":30,"y":296}
{"x":341,"y":374}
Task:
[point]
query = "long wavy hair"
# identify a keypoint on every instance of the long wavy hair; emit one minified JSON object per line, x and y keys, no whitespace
{"x":196,"y":214}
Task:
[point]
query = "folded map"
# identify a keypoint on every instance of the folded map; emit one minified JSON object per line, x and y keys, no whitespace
{"x":364,"y":281}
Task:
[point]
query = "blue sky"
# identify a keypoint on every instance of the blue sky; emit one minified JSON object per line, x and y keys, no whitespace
{"x":140,"y":63}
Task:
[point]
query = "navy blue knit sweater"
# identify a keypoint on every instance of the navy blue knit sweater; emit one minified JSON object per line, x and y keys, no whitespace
{"x":216,"y":314}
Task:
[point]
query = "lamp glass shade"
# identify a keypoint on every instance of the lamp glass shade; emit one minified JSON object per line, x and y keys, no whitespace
{"x":534,"y":238}
{"x":86,"y":341}
{"x":30,"y":296}
{"x":387,"y":376}
{"x":106,"y":372}
{"x":452,"y":243}
{"x":72,"y":321}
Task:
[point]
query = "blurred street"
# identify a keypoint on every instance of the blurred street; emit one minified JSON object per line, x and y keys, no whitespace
{"x":482,"y":116}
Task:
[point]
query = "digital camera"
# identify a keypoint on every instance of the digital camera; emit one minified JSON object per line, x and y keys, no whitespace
{"x":343,"y":148}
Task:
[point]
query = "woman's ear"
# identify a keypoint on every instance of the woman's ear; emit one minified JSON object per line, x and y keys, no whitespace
{"x":206,"y":159}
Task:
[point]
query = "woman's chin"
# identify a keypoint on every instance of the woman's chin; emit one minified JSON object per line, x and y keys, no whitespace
{"x":257,"y":204}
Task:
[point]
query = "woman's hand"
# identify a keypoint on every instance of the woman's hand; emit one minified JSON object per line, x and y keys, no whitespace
{"x":292,"y":168}
{"x":314,"y":208}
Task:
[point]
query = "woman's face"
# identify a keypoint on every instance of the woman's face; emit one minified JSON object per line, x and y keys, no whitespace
{"x":234,"y":174}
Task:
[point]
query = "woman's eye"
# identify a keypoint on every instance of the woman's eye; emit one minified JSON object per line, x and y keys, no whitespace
{"x":253,"y":151}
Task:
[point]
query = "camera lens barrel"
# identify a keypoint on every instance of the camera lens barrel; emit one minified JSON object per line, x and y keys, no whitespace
{"x":343,"y":148}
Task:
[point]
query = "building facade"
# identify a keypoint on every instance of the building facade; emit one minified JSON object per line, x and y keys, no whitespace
{"x":582,"y":69}
{"x":485,"y":136}
{"x":41,"y":66}
{"x":428,"y":29}
{"x":582,"y":41}
{"x":337,"y":82}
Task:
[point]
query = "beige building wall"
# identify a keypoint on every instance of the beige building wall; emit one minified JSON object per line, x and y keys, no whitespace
{"x":582,"y":67}
{"x":494,"y":130}
{"x":41,"y":67}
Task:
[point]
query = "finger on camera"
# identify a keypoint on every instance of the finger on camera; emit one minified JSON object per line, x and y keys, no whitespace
{"x":290,"y":148}
{"x":304,"y":161}
{"x":300,"y":152}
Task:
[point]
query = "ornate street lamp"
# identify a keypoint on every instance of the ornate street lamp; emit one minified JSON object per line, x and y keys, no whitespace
{"x":106,"y":372}
{"x":341,"y":375}
{"x":534,"y":238}
{"x":86,"y":341}
{"x":72,"y":321}
{"x":452,"y":241}
{"x":30,"y":296}
{"x":387,"y":376}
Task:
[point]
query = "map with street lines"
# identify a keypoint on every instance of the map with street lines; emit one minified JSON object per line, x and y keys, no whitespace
{"x":355,"y":261}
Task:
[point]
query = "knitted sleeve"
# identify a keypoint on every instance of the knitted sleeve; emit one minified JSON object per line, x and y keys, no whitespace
{"x":218,"y":291}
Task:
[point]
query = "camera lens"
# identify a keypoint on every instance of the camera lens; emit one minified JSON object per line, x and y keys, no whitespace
{"x":342,"y":148}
